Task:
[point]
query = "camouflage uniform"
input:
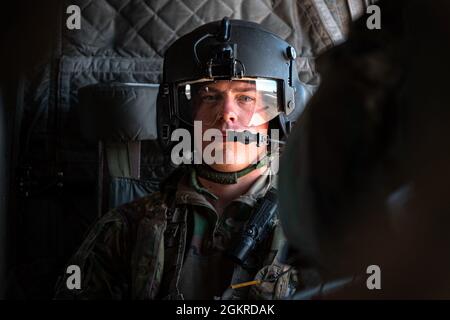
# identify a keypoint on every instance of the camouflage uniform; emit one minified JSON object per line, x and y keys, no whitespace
{"x":154,"y":247}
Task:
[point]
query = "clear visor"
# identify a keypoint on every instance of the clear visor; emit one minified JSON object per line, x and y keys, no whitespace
{"x":245,"y":103}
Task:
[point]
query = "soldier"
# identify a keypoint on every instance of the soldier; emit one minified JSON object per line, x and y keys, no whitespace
{"x":211,"y":232}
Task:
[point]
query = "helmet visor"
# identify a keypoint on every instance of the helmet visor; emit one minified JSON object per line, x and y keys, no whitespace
{"x":245,"y":103}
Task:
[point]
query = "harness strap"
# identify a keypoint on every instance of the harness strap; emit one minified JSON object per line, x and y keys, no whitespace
{"x":328,"y":21}
{"x":174,"y":247}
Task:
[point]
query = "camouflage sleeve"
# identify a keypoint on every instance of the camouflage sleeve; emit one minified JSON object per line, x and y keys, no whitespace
{"x":278,"y":280}
{"x":101,"y":259}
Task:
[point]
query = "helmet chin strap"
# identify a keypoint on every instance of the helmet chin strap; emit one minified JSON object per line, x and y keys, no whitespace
{"x":208,"y":173}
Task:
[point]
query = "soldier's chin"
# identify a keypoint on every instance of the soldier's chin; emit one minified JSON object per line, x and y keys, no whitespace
{"x":234,"y":156}
{"x":233,"y":161}
{"x":233,"y":167}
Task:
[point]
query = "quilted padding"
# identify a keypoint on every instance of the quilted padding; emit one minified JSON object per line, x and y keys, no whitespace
{"x":146,"y":28}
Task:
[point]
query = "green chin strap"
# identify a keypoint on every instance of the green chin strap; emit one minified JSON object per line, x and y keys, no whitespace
{"x":208,"y":173}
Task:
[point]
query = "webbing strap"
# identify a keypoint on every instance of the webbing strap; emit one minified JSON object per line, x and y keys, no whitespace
{"x":179,"y":217}
{"x":357,"y":8}
{"x":328,"y":21}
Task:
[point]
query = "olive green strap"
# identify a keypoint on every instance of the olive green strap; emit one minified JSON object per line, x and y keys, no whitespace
{"x":199,"y":188}
{"x":210,"y":174}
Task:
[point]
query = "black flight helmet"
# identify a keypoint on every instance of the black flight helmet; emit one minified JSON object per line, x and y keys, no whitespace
{"x":233,"y":50}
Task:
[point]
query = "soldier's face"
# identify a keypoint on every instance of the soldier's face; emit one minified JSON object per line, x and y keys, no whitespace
{"x":229,"y":105}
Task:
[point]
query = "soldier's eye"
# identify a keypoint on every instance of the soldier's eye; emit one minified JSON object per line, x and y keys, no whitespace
{"x":246,"y":99}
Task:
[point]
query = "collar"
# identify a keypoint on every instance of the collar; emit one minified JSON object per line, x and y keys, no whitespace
{"x":189,"y":190}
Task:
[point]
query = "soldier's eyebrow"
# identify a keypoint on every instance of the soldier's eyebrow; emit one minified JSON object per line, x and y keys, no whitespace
{"x":244,"y":89}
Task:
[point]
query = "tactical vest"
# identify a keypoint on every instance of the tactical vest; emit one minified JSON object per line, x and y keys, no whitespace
{"x":177,"y":231}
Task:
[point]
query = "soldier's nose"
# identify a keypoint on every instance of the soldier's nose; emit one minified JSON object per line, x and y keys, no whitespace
{"x":229,"y":117}
{"x":229,"y":111}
